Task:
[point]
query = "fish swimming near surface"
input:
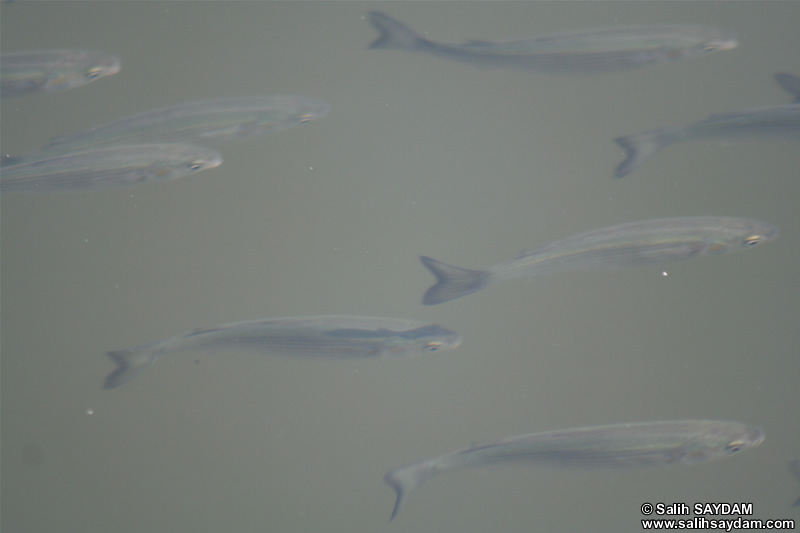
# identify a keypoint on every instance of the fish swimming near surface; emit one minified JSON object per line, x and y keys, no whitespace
{"x":600,"y":50}
{"x":53,"y":70}
{"x":618,"y":445}
{"x":645,"y":242}
{"x":329,"y":337}
{"x":767,"y":123}
{"x":789,"y":83}
{"x":794,"y":466}
{"x":107,"y":167}
{"x":201,"y":121}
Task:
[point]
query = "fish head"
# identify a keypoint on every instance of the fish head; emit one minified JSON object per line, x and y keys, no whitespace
{"x":739,"y":235}
{"x":719,"y":40}
{"x":703,"y":41}
{"x":719,"y":440}
{"x":714,"y":40}
{"x":92,"y":66}
{"x":181,"y":160}
{"x":308,"y":109}
{"x":278,"y":113}
{"x":426,"y":339}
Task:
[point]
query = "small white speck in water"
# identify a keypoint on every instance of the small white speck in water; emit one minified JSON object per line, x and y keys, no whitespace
{"x":90,"y":412}
{"x":664,"y":273}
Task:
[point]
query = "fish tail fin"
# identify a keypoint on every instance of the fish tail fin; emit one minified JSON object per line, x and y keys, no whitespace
{"x":406,"y":479}
{"x":451,"y":281}
{"x":638,"y":147}
{"x":394,"y":35}
{"x":790,"y":84}
{"x":130,"y":363}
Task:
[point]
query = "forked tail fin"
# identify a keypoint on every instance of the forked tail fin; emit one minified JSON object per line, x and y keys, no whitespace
{"x":451,"y":281}
{"x":394,"y":35}
{"x":406,"y":479}
{"x":790,"y":84}
{"x":638,"y":147}
{"x":130,"y":363}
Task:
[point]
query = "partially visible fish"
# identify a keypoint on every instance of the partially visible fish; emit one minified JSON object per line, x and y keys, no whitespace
{"x":329,"y":337}
{"x":202,"y":121}
{"x":635,"y":243}
{"x":618,"y":445}
{"x":778,"y":122}
{"x":599,"y":50}
{"x":794,"y":466}
{"x":107,"y":167}
{"x":789,"y":83}
{"x":52,"y":70}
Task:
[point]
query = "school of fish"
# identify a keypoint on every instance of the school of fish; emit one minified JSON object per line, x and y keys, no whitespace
{"x":170,"y":142}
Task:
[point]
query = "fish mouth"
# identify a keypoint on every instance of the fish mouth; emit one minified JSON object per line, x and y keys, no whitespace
{"x":755,"y":436}
{"x":214,"y":161}
{"x":453,"y":342}
{"x":112,"y":68}
{"x":724,"y":44}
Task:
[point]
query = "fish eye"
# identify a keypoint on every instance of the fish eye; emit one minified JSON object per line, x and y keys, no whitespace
{"x":196,"y":165}
{"x":94,"y":72}
{"x":433,"y":346}
{"x":734,"y":446}
{"x":752,"y":240}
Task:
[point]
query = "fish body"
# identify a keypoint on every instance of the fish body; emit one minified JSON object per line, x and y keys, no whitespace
{"x":581,"y":51}
{"x":645,"y":242}
{"x":53,"y":70}
{"x":789,"y":83}
{"x":201,"y":121}
{"x":618,"y":445}
{"x":776,"y":122}
{"x":107,"y":167}
{"x":329,"y":337}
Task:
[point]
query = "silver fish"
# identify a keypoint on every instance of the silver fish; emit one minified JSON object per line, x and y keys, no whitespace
{"x":618,"y":445}
{"x":789,"y":83}
{"x":107,"y":167}
{"x":778,"y":122}
{"x":322,"y":336}
{"x":635,"y":243}
{"x":599,"y":50}
{"x":52,"y":70}
{"x":794,"y":466}
{"x":220,"y":119}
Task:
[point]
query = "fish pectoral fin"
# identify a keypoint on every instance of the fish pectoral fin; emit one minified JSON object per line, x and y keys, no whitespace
{"x":671,"y":252}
